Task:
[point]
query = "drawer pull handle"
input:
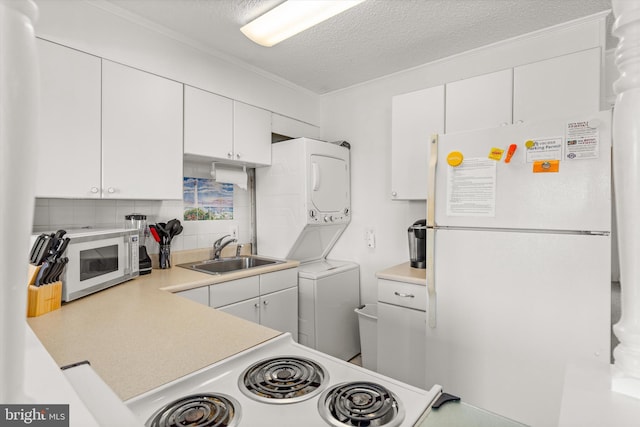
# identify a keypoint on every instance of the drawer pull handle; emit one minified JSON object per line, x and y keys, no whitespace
{"x":404,"y":295}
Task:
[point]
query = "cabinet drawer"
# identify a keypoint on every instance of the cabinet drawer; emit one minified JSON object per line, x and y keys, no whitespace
{"x":402,"y":294}
{"x":234,"y":291}
{"x":278,"y":280}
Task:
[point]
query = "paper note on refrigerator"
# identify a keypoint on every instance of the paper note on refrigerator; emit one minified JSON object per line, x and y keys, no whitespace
{"x":583,"y":141}
{"x":471,"y":188}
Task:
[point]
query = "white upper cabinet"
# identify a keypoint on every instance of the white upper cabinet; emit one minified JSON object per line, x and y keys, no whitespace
{"x":68,"y":149}
{"x":251,"y":134}
{"x":292,"y":128}
{"x":208,"y":124}
{"x":415,"y":117}
{"x":220,"y":128}
{"x":479,"y":102}
{"x":557,"y":87}
{"x":141,"y":134}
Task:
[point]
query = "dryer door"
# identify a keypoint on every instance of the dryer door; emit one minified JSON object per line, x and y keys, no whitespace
{"x":329,"y":183}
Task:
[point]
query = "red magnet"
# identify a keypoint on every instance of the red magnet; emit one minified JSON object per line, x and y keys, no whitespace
{"x":512,"y":149}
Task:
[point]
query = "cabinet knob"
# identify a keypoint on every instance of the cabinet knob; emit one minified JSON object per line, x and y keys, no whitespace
{"x":256,"y":305}
{"x":111,"y":190}
{"x":237,"y":155}
{"x":94,"y":190}
{"x":394,"y":194}
{"x":265,"y":302}
{"x":230,"y":155}
{"x":519,"y":122}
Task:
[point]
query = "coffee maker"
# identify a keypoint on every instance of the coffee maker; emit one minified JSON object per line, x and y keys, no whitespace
{"x":139,"y":222}
{"x":418,"y":244}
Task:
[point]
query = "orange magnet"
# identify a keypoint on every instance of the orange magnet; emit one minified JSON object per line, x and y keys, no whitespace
{"x":542,"y":166}
{"x":455,"y":158}
{"x":510,"y":152}
{"x":496,"y":154}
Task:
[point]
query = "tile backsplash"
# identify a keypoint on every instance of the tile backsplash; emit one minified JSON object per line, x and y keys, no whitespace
{"x":54,"y":214}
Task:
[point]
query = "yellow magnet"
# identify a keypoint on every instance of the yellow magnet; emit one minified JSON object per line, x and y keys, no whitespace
{"x":546,"y":166}
{"x":455,"y":158}
{"x":496,"y":154}
{"x":529,"y":144}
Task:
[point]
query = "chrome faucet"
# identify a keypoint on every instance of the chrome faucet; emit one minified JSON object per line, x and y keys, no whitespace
{"x":238,"y":249}
{"x":218,"y":246}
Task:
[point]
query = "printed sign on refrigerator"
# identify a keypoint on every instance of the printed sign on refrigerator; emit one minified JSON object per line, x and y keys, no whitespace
{"x":471,"y":188}
{"x":582,"y":141}
{"x":544,"y":149}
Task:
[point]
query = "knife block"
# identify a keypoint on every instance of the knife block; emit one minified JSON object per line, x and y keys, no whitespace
{"x":42,"y":299}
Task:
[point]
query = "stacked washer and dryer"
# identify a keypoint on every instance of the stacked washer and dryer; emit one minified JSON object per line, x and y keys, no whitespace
{"x":303,"y":205}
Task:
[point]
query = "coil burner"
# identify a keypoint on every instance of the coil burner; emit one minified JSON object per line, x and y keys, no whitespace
{"x":198,"y":410}
{"x":285,"y":379}
{"x":360,"y":404}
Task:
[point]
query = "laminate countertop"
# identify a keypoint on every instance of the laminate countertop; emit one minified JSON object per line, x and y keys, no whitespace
{"x":404,"y":273}
{"x":138,"y":335}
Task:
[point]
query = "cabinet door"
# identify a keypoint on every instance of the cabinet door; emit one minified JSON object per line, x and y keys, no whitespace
{"x":68,"y":149}
{"x":279,"y":311}
{"x":141,"y":134}
{"x":251,"y":134}
{"x":415,"y":117}
{"x":248,"y":310}
{"x":208,"y":124}
{"x":401,"y":343}
{"x":479,"y":102}
{"x":199,"y":295}
{"x":557,"y":87}
{"x":292,"y":128}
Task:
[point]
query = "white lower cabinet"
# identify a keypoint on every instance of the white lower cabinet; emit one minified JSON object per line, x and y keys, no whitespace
{"x":270,"y":299}
{"x":248,"y":309}
{"x":199,"y":295}
{"x":279,"y":311}
{"x":402,"y":323}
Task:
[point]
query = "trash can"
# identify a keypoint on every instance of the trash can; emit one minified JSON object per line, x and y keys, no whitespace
{"x":368,"y":323}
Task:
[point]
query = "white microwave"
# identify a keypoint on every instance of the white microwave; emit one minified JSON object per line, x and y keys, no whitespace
{"x":98,"y":259}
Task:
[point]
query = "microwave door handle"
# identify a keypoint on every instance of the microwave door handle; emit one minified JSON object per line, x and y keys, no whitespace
{"x":127,"y":256}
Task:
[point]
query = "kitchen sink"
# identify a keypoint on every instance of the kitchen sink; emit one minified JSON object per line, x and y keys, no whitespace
{"x":229,"y":265}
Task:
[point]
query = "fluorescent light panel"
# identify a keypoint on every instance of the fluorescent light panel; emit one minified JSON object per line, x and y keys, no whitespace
{"x":293,"y":17}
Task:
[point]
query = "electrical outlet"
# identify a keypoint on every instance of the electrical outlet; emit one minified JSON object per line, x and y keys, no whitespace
{"x":370,"y":238}
{"x":234,"y":231}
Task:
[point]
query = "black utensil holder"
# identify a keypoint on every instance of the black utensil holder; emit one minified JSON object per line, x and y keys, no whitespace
{"x":165,"y":256}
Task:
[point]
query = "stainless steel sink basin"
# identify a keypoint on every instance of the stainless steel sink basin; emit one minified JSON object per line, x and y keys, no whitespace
{"x":229,"y":265}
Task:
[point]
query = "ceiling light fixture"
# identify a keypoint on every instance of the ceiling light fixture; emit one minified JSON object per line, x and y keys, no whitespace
{"x":293,"y":17}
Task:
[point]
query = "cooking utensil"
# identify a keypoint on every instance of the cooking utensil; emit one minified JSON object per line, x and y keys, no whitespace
{"x":154,"y":233}
{"x":43,"y":251}
{"x":37,"y":246}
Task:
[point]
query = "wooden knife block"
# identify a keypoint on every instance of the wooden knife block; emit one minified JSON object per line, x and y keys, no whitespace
{"x":42,"y":299}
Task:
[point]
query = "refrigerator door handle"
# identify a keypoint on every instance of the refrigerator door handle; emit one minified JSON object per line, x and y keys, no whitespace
{"x":431,"y":183}
{"x":431,"y":284}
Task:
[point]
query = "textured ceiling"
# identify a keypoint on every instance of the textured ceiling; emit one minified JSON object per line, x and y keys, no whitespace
{"x":373,"y":39}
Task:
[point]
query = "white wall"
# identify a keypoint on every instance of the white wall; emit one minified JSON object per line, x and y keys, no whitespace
{"x":86,"y":27}
{"x":54,"y":214}
{"x":361,"y":115}
{"x":91,"y":28}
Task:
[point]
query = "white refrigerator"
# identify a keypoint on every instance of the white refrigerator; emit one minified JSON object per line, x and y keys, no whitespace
{"x":518,"y":268}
